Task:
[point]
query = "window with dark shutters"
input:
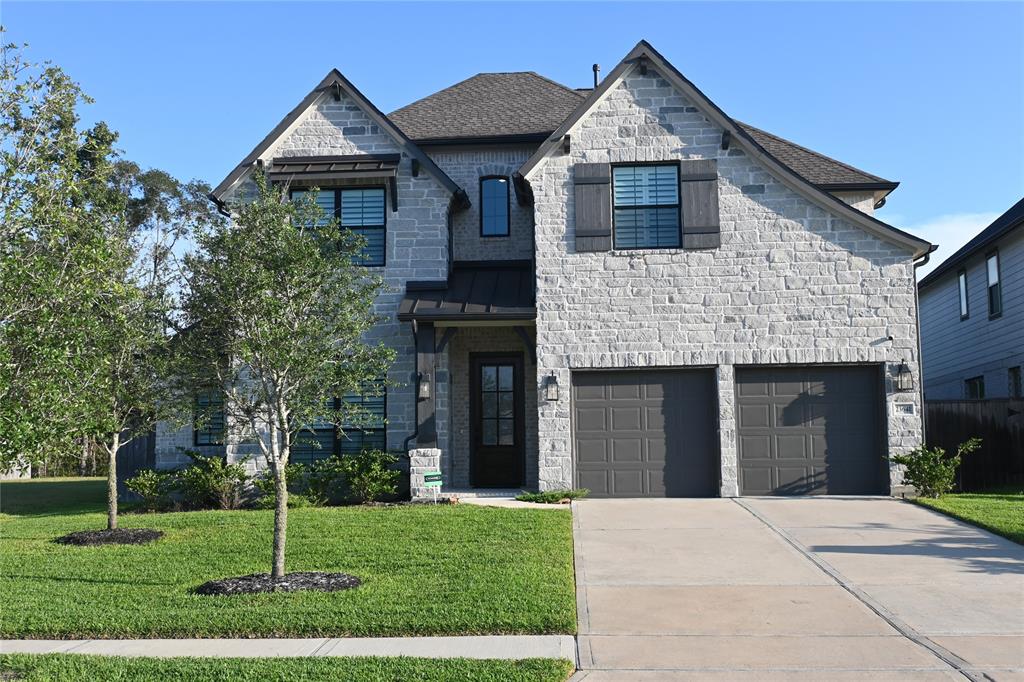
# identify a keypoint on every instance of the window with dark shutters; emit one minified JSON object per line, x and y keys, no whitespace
{"x":593,"y":203}
{"x":698,"y":195}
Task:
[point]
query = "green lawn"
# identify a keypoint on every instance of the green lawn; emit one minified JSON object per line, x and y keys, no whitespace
{"x":1000,"y":511}
{"x":426,"y":570}
{"x":71,"y":668}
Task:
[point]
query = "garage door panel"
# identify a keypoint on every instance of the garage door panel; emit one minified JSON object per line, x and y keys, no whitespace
{"x":659,"y":431}
{"x":824,"y":434}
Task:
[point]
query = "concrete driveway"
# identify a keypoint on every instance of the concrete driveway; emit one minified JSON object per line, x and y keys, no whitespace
{"x":806,"y":589}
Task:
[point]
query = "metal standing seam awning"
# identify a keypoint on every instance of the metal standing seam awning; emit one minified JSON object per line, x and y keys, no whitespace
{"x":474,"y":291}
{"x":353,"y":166}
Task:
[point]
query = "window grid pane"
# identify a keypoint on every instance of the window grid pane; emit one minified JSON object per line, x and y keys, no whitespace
{"x":646,"y":202}
{"x":494,"y":207}
{"x":362,"y":211}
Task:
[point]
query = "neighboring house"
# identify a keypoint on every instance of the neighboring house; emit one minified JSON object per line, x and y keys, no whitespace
{"x":621,"y":289}
{"x":972,"y":316}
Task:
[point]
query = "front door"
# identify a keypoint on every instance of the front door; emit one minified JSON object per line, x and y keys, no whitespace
{"x":497,"y":415}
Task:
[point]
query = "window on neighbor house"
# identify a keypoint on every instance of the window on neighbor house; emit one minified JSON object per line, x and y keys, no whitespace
{"x":494,"y":207}
{"x":1015,"y":382}
{"x":369,"y":433}
{"x":995,"y":289}
{"x":974,"y":388}
{"x":208,"y":418}
{"x":962,"y":284}
{"x":646,"y":206}
{"x":359,"y":209}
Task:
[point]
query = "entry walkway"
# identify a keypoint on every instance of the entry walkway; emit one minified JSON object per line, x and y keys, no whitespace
{"x":805,"y":589}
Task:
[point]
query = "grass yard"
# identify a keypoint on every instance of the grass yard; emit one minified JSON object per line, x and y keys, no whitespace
{"x":71,"y":668}
{"x":426,"y":570}
{"x":1000,"y":511}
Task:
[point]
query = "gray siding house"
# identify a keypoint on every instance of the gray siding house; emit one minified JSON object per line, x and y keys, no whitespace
{"x":972,"y":316}
{"x":620,"y":288}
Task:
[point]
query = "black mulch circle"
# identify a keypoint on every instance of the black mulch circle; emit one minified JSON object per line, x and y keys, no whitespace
{"x":291,"y":582}
{"x":119,"y":536}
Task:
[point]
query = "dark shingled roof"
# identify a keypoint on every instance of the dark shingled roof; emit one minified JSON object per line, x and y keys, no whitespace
{"x":526,"y":105}
{"x":1012,"y":219}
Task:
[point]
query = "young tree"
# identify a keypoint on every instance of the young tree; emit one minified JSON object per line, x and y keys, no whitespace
{"x":278,"y":311}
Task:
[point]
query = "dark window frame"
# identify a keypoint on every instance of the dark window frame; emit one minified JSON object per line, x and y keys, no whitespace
{"x":978,"y":383}
{"x":994,"y":253}
{"x":206,"y":437}
{"x":337,"y":190}
{"x":678,"y":205}
{"x":508,"y":206}
{"x":965,"y":304}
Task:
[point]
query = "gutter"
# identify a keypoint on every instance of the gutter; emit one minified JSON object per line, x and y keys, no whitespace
{"x":920,"y":354}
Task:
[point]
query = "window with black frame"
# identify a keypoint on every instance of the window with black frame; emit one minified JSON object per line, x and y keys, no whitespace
{"x":494,"y":206}
{"x":995,"y":288}
{"x":208,"y":418}
{"x":369,"y":432}
{"x":646,"y":206}
{"x":363,"y":210}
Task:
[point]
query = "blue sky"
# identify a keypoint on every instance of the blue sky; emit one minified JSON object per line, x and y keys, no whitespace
{"x":928,"y":94}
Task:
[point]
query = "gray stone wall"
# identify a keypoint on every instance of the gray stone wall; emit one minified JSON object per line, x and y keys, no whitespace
{"x":466,"y":166}
{"x":456,"y":459}
{"x":790,"y":284}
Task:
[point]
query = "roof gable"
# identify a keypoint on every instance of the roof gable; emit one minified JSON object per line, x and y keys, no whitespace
{"x":741,"y":137}
{"x":336,"y":82}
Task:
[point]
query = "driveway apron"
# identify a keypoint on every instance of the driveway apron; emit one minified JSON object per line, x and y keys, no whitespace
{"x":766,"y":589}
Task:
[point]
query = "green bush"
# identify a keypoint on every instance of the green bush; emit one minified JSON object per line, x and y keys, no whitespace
{"x":210,"y":483}
{"x":930,"y":470}
{"x":154,"y":487}
{"x":554,"y":496}
{"x":369,"y":476}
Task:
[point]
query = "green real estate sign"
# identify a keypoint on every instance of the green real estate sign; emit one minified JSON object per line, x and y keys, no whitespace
{"x":432,"y":479}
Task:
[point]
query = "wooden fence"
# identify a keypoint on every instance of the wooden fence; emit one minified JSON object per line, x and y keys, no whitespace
{"x":999,"y":424}
{"x":139,"y":454}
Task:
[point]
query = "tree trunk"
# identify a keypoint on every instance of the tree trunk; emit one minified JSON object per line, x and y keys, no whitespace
{"x":112,"y":483}
{"x":280,"y":519}
{"x":83,"y":461}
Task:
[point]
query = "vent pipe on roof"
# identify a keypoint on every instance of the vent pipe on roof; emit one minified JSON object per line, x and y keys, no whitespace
{"x":597,"y":74}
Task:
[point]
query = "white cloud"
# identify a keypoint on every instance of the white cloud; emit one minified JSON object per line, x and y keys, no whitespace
{"x":950,"y":232}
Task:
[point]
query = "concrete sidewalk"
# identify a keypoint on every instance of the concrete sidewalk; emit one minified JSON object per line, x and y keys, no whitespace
{"x":497,"y":646}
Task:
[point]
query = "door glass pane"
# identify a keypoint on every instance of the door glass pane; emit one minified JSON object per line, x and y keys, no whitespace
{"x":505,"y":405}
{"x":488,"y":432}
{"x":506,"y":428}
{"x":488,"y":405}
{"x":488,"y":378}
{"x":505,"y":377}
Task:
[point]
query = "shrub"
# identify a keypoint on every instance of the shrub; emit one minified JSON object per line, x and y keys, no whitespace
{"x":368,"y":475}
{"x":154,"y":487}
{"x":930,"y":470}
{"x":303,"y":487}
{"x":210,"y":483}
{"x":554,"y":496}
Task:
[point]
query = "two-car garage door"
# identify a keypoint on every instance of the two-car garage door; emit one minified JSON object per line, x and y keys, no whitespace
{"x":800,"y":430}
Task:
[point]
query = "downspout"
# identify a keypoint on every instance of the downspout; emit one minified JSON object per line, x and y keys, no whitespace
{"x":415,"y":392}
{"x":920,"y":356}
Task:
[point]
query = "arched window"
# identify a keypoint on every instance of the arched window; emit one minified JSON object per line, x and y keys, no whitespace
{"x":494,"y":207}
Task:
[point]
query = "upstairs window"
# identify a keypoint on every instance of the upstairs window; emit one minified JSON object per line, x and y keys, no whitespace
{"x":974,"y":388}
{"x":995,"y":289}
{"x":359,"y":209}
{"x":646,"y":203}
{"x":208,"y":418}
{"x":370,"y":433}
{"x":494,"y":207}
{"x":962,"y":284}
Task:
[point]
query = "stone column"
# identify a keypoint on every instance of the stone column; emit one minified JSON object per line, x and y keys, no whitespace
{"x":420,"y":461}
{"x":725,"y":376}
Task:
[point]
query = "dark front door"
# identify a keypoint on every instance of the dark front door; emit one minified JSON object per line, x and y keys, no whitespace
{"x":497,"y":415}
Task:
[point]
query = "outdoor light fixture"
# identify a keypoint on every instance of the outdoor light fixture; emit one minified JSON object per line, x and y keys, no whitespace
{"x":904,"y":378}
{"x":424,"y":389}
{"x":551,"y":387}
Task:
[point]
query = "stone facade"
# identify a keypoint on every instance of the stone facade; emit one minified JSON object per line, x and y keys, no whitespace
{"x":790,"y":283}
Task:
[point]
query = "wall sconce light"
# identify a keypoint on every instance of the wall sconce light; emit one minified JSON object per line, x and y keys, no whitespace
{"x":424,"y":386}
{"x":904,"y":378}
{"x":551,"y":387}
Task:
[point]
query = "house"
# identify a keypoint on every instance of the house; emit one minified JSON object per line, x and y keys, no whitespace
{"x":619,"y":288}
{"x":972,"y":316}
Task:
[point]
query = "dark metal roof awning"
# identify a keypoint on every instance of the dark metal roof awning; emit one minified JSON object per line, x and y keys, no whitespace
{"x":332,"y":168}
{"x":475,"y":291}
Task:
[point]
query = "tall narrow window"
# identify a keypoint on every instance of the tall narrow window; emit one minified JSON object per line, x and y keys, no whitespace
{"x":974,"y":388}
{"x":208,"y":418}
{"x":369,"y":432}
{"x":646,"y":202}
{"x":1016,"y":389}
{"x":494,"y":207}
{"x":995,"y":289}
{"x":962,"y":284}
{"x":359,"y":209}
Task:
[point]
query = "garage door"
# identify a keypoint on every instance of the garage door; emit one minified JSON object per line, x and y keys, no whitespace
{"x":810,"y":430}
{"x":646,"y":433}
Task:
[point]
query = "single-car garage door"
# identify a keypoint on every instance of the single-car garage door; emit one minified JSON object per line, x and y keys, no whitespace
{"x":810,"y":430}
{"x":649,"y":433}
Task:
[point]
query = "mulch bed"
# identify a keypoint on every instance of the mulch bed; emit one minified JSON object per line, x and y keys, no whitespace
{"x":119,"y":536}
{"x":291,"y":582}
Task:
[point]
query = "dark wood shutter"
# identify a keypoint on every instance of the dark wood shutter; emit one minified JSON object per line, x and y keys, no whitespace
{"x":593,"y":187}
{"x":698,"y":199}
